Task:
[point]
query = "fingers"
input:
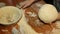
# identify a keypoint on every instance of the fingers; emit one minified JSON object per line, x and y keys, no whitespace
{"x":26,"y":4}
{"x":22,"y":4}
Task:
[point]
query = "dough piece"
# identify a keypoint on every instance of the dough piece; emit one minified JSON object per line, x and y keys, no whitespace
{"x":48,"y":13}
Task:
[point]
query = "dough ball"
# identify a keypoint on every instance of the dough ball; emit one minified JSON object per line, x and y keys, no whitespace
{"x":48,"y":13}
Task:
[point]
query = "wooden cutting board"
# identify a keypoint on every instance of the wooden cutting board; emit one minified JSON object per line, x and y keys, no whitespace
{"x":33,"y":20}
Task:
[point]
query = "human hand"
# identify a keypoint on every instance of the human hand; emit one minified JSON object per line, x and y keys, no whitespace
{"x":26,"y":3}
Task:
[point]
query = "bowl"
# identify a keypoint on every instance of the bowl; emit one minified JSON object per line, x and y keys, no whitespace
{"x":10,"y":15}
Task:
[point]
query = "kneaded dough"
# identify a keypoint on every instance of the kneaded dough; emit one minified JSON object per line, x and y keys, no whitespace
{"x":48,"y":13}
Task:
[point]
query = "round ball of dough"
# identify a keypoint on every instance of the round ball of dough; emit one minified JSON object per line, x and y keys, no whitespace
{"x":10,"y":15}
{"x":48,"y":13}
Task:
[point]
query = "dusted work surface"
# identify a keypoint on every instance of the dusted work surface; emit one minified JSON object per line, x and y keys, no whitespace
{"x":31,"y":24}
{"x":33,"y":20}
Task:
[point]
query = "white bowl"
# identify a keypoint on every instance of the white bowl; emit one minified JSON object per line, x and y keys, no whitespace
{"x":10,"y":15}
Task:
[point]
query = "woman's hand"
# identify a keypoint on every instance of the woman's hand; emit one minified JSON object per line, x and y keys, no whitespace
{"x":27,"y":3}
